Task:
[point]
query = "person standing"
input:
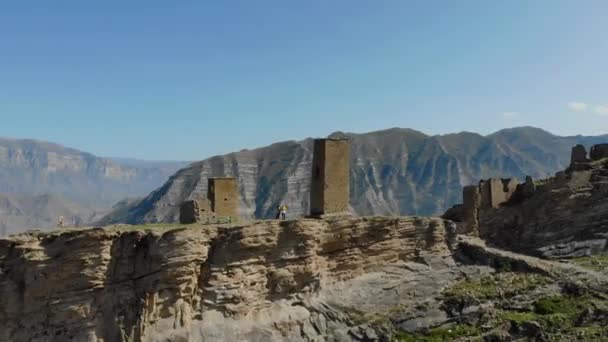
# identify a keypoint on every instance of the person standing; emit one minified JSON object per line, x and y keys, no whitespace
{"x":283,"y":210}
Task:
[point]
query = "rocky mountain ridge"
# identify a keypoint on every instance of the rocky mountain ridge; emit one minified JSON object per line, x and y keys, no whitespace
{"x":38,"y":167}
{"x":35,"y":176}
{"x":393,"y":172}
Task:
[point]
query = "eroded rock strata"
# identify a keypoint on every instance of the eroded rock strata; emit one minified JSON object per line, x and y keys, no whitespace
{"x":336,"y":279}
{"x":271,"y":280}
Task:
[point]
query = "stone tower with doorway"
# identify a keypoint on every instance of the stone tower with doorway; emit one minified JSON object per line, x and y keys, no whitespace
{"x":223,"y":195}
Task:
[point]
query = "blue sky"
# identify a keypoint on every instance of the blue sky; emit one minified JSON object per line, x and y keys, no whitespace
{"x":184,"y":80}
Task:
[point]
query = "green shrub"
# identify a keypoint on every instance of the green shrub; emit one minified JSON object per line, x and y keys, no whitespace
{"x":502,"y":285}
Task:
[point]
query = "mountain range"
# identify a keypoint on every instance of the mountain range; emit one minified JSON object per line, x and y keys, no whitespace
{"x":40,"y":181}
{"x":395,"y":171}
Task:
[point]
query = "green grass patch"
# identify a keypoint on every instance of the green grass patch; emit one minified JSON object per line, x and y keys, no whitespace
{"x":501,"y":285}
{"x":518,"y":317}
{"x":558,"y":316}
{"x":597,"y":263}
{"x":560,"y":305}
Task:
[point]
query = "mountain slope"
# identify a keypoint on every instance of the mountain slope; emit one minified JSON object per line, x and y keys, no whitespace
{"x":395,"y":171}
{"x":37,"y":167}
{"x":40,"y":181}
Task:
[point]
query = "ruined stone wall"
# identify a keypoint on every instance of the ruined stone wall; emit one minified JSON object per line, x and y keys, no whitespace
{"x":542,"y":217}
{"x":509,"y":187}
{"x":471,"y":204}
{"x":579,"y":154}
{"x":488,"y":195}
{"x":193,"y":211}
{"x":223,"y":194}
{"x":599,"y":151}
{"x":330,"y":184}
{"x":494,"y":191}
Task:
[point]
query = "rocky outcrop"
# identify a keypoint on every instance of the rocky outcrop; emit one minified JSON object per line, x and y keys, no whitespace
{"x":393,"y":172}
{"x":336,"y":279}
{"x":274,"y":280}
{"x":563,"y":216}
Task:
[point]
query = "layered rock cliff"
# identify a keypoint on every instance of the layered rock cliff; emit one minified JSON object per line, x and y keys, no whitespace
{"x":393,"y":172}
{"x":339,"y":279}
{"x":263,"y":281}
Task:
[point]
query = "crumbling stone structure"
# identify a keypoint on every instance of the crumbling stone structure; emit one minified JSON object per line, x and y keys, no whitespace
{"x":599,"y":151}
{"x":193,"y":211}
{"x":495,"y":191}
{"x":525,"y":216}
{"x":221,"y":204}
{"x":223,"y":194}
{"x":471,"y":204}
{"x":578,"y":155}
{"x":488,"y":194}
{"x":330,"y":184}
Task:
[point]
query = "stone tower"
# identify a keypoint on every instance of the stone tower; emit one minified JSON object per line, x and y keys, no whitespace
{"x":578,"y":155}
{"x":223,"y":195}
{"x":330,"y":184}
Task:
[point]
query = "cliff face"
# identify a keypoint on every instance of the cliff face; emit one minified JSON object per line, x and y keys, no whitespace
{"x":264,"y":281}
{"x":339,"y":279}
{"x":393,"y":172}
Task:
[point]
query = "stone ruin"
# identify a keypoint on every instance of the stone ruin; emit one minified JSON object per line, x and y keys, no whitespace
{"x":221,"y":204}
{"x":598,"y":152}
{"x":329,"y":194}
{"x":579,"y":154}
{"x":223,"y":194}
{"x":193,"y":211}
{"x":491,"y":194}
{"x":330,"y":183}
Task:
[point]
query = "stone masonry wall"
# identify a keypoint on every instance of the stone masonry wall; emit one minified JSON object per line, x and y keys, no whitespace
{"x":599,"y":151}
{"x":330,"y":184}
{"x":223,"y":194}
